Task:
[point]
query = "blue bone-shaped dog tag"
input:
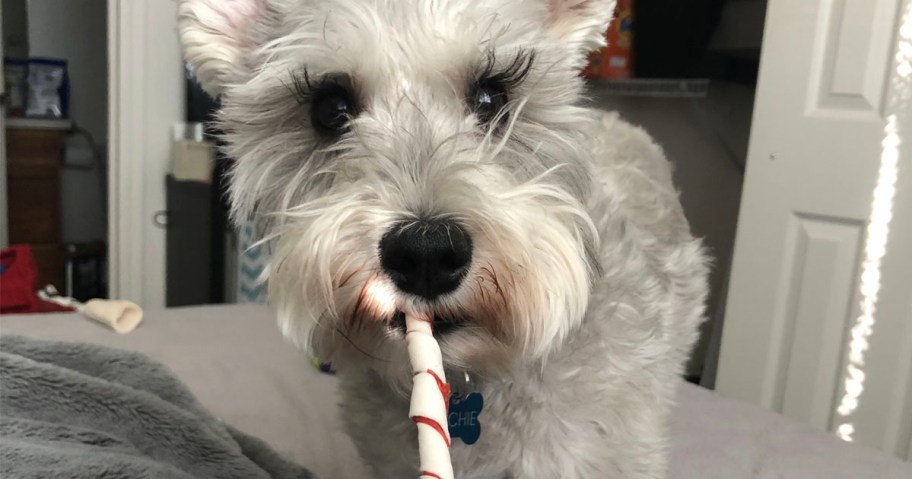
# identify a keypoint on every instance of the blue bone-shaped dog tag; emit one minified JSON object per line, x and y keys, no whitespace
{"x":463,"y":418}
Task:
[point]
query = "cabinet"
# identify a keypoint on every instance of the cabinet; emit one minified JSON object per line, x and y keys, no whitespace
{"x":34,"y":158}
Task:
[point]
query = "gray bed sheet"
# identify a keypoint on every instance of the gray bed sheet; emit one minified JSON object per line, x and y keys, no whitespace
{"x":234,"y":359}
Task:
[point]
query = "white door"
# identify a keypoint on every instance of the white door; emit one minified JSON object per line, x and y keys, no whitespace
{"x":823,"y":255}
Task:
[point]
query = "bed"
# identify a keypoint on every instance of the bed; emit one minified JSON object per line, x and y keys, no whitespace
{"x":234,"y":359}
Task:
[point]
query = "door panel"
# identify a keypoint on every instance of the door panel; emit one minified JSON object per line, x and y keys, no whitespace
{"x":823,"y":252}
{"x":852,"y":57}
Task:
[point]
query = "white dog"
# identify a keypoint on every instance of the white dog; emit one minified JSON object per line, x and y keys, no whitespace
{"x":434,"y":154}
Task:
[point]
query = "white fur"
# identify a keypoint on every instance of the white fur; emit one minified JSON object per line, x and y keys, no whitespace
{"x":585,"y":287}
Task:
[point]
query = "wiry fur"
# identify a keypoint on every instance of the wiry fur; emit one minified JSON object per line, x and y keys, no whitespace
{"x":585,"y":287}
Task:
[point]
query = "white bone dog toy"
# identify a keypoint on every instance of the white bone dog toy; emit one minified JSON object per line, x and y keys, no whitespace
{"x":430,"y":396}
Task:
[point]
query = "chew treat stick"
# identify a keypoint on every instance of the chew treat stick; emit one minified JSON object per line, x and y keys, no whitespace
{"x":430,"y":396}
{"x":121,"y":316}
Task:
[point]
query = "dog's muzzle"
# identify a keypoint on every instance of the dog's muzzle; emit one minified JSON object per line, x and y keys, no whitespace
{"x":426,"y":258}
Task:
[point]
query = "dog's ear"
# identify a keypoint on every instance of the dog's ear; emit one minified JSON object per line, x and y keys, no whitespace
{"x":580,"y":24}
{"x":217,"y":36}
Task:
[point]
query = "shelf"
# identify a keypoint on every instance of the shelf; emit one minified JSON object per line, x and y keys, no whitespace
{"x":650,"y":87}
{"x":39,"y":124}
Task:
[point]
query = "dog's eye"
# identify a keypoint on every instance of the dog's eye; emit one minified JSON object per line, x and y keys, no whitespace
{"x":331,"y":110}
{"x":487,"y":101}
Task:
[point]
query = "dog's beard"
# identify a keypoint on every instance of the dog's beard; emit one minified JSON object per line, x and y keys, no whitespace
{"x":527,"y":286}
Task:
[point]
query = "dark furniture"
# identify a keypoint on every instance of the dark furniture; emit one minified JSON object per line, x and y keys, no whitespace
{"x":34,"y":159}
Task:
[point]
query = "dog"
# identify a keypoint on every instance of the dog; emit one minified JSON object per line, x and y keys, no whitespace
{"x":437,"y":155}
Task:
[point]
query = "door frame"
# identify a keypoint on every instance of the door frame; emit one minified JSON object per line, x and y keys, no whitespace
{"x":146,"y":98}
{"x":4,"y":189}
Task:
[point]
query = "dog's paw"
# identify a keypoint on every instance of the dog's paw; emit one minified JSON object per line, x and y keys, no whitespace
{"x":463,"y":417}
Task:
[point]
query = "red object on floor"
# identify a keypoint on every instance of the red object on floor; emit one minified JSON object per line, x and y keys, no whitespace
{"x":18,"y":282}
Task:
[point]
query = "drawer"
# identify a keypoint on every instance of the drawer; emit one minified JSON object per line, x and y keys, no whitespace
{"x":34,"y":210}
{"x":33,"y":153}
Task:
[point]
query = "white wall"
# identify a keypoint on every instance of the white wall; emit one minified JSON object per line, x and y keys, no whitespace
{"x":76,"y":30}
{"x":706,"y":140}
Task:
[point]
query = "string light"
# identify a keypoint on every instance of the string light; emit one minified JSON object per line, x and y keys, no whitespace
{"x":877,"y":233}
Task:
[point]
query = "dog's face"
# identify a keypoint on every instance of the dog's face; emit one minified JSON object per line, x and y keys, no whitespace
{"x":410,"y":155}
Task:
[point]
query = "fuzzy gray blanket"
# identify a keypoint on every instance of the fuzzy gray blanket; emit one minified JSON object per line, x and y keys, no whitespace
{"x":73,"y":410}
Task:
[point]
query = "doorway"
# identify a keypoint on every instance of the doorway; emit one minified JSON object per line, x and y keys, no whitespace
{"x":56,"y":130}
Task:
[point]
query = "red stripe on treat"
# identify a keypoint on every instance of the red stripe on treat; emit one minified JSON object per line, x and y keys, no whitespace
{"x":433,"y":424}
{"x":444,"y":389}
{"x":430,"y":474}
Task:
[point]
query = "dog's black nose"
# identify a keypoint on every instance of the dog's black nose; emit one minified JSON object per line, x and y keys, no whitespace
{"x":426,"y":258}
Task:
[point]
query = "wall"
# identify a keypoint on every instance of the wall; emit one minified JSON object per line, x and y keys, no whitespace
{"x":76,"y":30}
{"x":15,"y":29}
{"x":706,"y":140}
